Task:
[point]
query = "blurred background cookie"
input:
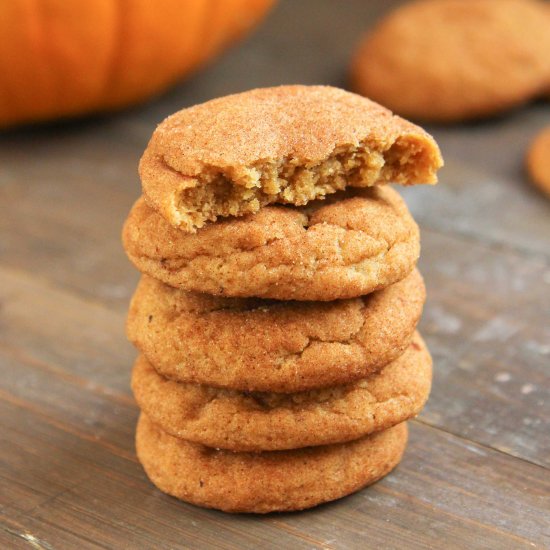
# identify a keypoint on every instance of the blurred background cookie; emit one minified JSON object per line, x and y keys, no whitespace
{"x":451,"y":60}
{"x":538,"y":161}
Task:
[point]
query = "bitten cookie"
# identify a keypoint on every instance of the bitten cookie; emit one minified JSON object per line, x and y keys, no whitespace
{"x":265,"y":482}
{"x":272,"y":346}
{"x":256,"y":421}
{"x":538,"y":161}
{"x":449,"y":60}
{"x":350,"y":244}
{"x":291,"y":144}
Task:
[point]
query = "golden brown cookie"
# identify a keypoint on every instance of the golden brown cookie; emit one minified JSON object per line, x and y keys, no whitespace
{"x":351,"y":244}
{"x":245,"y":421}
{"x":260,"y":345}
{"x":291,"y":144}
{"x":449,"y":60}
{"x":273,"y":481}
{"x":538,"y":161}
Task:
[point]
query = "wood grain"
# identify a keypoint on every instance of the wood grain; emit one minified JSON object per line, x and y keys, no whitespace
{"x":476,"y":473}
{"x":486,"y":196}
{"x":454,"y":489}
{"x":486,"y":324}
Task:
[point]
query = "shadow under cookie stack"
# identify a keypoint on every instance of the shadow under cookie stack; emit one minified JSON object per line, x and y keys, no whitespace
{"x":276,"y":315}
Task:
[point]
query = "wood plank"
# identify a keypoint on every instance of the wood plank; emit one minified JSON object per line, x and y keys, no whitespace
{"x":53,"y":214}
{"x":103,"y":421}
{"x":484,"y":193}
{"x":14,"y":537}
{"x":63,"y":500}
{"x":448,"y":488}
{"x":487,"y":324}
{"x":64,"y":332}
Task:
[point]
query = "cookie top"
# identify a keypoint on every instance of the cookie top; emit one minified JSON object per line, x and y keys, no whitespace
{"x":350,"y":244}
{"x":290,"y":144}
{"x":538,"y":161}
{"x":272,"y":346}
{"x":449,"y":60}
{"x":265,"y":482}
{"x":259,"y":421}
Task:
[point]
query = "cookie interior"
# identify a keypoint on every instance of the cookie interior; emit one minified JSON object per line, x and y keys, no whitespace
{"x":243,"y":190}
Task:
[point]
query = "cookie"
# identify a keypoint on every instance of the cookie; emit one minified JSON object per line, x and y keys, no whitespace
{"x":450,"y":60}
{"x":263,"y":345}
{"x":538,"y":161}
{"x":254,"y":421}
{"x":290,"y":144}
{"x":351,"y":244}
{"x":273,"y":481}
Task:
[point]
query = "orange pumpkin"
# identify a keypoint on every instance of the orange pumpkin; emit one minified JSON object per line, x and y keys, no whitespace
{"x":60,"y":58}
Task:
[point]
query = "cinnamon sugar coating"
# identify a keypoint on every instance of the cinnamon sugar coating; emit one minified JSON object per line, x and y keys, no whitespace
{"x":261,"y":421}
{"x":350,"y":244}
{"x":289,"y":144}
{"x":273,"y":481}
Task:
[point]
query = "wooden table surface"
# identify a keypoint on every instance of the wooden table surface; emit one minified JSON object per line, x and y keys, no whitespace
{"x":476,"y":472}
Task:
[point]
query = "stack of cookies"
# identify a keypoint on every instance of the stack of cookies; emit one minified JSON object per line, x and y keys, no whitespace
{"x":277,"y":309}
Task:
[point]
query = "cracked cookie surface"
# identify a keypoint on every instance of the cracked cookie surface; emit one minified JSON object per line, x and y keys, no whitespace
{"x":290,"y":144}
{"x":265,"y":482}
{"x":266,"y":345}
{"x":260,"y":421}
{"x":351,"y":244}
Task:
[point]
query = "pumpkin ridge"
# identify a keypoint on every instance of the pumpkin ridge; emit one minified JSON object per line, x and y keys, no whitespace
{"x":116,"y":53}
{"x":64,"y":58}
